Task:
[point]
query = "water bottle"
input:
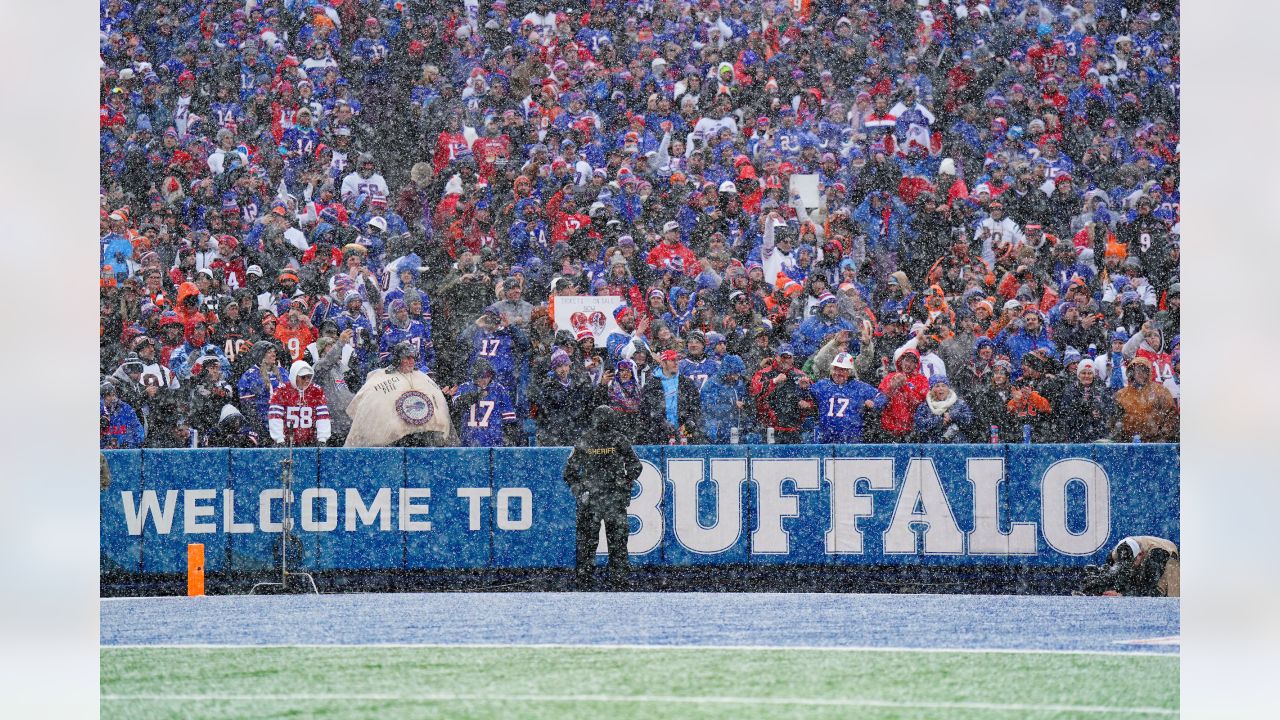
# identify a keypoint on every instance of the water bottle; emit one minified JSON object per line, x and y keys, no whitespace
{"x":995,"y":434}
{"x":1026,"y":433}
{"x":733,"y":435}
{"x":768,"y":434}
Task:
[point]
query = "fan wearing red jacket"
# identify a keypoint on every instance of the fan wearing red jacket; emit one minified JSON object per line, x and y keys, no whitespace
{"x":905,"y":389}
{"x":490,"y":150}
{"x":448,"y":146}
{"x":299,"y":410}
{"x":673,"y":254}
{"x":1044,"y":55}
{"x":565,"y":218}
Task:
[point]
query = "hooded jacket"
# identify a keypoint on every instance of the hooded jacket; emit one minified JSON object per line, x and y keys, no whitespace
{"x":1086,"y":412}
{"x":330,"y":377}
{"x":304,"y":412}
{"x":255,"y":389}
{"x":898,"y":416}
{"x":1161,"y":362}
{"x":1148,"y":411}
{"x":120,"y":426}
{"x":232,"y":431}
{"x":1020,"y":342}
{"x":720,"y":399}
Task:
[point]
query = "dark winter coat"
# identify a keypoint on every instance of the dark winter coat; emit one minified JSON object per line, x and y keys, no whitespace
{"x":563,"y":410}
{"x":1085,"y":413}
{"x":602,"y":462}
{"x":654,"y":428}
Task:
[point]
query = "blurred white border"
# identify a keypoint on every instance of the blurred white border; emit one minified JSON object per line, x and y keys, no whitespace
{"x":48,"y":480}
{"x":48,"y":360}
{"x":1230,"y":480}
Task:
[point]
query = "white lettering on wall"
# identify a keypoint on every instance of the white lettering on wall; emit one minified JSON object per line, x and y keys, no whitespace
{"x":921,"y":487}
{"x":1053,"y":506}
{"x":847,"y":504}
{"x":409,"y":509}
{"x":770,"y":537}
{"x":192,"y":511}
{"x":727,"y":476}
{"x":377,"y":511}
{"x":307,"y":500}
{"x":473,"y":496}
{"x":524,"y":519}
{"x":161,"y":515}
{"x":986,"y":475}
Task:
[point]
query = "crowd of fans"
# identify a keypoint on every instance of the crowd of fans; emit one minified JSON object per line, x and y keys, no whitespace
{"x":297,"y":192}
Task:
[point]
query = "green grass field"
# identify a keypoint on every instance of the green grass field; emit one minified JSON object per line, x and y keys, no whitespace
{"x":567,"y":682}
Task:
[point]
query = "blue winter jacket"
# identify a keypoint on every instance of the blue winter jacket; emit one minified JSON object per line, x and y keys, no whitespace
{"x":719,"y":400}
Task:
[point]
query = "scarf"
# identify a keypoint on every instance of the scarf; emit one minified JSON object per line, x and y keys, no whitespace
{"x":625,"y":396}
{"x":941,"y":406}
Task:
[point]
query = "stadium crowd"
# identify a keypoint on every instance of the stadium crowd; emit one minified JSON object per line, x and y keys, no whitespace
{"x":297,"y":192}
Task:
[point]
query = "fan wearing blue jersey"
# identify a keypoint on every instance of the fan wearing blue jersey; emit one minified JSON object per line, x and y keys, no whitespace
{"x":483,"y":410}
{"x":401,"y":328}
{"x":501,"y":345}
{"x":696,"y":365}
{"x":841,"y":402}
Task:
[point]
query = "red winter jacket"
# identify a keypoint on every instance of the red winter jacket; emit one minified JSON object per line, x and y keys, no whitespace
{"x":899,"y":414}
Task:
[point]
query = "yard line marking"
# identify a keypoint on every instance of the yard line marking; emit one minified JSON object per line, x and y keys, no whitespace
{"x":656,"y":699}
{"x":612,"y":646}
{"x":1170,"y":640}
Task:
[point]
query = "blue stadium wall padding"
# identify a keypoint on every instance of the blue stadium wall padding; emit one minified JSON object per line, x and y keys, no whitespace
{"x":361,"y":488}
{"x":457,"y":479}
{"x":257,"y":505}
{"x":120,"y":550}
{"x":458,"y":508}
{"x":187,"y":487}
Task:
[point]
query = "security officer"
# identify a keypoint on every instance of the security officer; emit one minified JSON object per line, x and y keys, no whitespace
{"x":600,"y":473}
{"x":1141,"y":565}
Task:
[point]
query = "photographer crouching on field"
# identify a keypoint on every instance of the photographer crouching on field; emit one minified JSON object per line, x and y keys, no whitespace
{"x":600,"y":473}
{"x":1141,"y":566}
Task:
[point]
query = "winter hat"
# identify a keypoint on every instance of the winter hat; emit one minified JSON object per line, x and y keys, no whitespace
{"x":1070,"y":355}
{"x":1085,"y":365}
{"x":558,"y":358}
{"x":937,"y":380}
{"x":983,"y":342}
{"x":1120,"y":335}
{"x":732,"y":365}
{"x":396,"y":306}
